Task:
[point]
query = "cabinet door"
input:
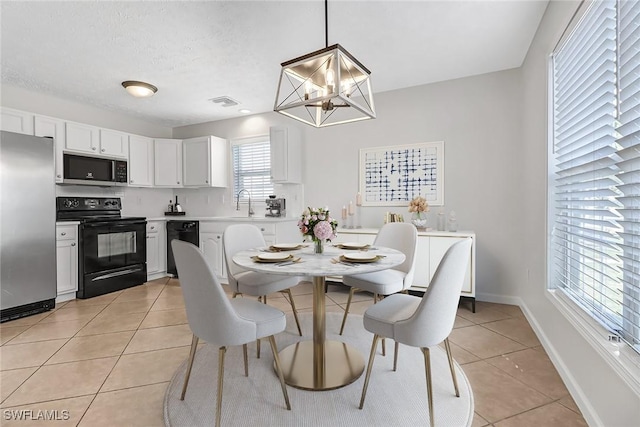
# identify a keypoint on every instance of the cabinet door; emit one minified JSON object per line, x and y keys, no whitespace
{"x":437,"y":248}
{"x":278,"y":145}
{"x":16,"y":121}
{"x":113,"y":143}
{"x":196,"y":162}
{"x":168,"y":163}
{"x":82,"y":138}
{"x":211,"y":246}
{"x":67,"y":266}
{"x":422,"y":275}
{"x":219,"y":162}
{"x":153,"y":253}
{"x":140,"y":161}
{"x":54,"y":128}
{"x":286,"y":156}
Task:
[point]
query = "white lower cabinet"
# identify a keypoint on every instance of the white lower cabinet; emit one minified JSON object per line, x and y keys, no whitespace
{"x":156,"y":250}
{"x":211,"y":239}
{"x":67,"y":261}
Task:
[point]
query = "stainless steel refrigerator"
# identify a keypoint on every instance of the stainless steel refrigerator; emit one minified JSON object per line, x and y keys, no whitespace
{"x":27,"y":225}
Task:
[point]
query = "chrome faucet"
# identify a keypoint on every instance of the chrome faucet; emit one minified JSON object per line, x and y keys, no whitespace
{"x":250,"y":213}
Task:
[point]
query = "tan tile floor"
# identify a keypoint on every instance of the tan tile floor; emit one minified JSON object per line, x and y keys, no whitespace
{"x":108,"y":360}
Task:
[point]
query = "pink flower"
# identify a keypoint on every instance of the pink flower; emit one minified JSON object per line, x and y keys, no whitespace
{"x":323,"y":230}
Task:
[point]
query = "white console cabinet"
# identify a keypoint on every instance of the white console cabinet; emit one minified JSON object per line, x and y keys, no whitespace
{"x":67,"y":261}
{"x":432,"y":246}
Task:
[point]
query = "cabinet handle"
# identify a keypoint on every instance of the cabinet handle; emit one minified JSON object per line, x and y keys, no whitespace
{"x":131,"y":181}
{"x":73,"y":244}
{"x":59,"y":176}
{"x":178,"y":182}
{"x":102,"y":150}
{"x":218,"y":237}
{"x":153,"y":227}
{"x":63,"y":234}
{"x":262,"y":229}
{"x":93,"y":148}
{"x":206,"y":181}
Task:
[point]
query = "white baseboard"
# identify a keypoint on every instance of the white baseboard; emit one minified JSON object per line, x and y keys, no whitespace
{"x":498,"y":299}
{"x":588,"y":412}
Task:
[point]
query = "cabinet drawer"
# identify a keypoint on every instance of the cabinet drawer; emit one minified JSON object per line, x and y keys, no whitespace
{"x":153,"y":227}
{"x":266,"y":229}
{"x":212,"y":226}
{"x":66,"y":232}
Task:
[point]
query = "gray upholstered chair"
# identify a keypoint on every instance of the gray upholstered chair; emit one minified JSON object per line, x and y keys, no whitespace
{"x":216,"y":319}
{"x":239,"y":237}
{"x":397,"y":235}
{"x":422,"y":322}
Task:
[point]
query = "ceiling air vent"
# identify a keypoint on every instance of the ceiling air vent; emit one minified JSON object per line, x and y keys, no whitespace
{"x":225,"y":101}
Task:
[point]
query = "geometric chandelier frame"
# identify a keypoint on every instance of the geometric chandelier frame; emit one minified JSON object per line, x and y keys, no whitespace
{"x":326,"y":87}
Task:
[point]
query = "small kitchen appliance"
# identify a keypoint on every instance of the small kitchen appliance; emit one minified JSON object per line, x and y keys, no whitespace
{"x":276,"y":207}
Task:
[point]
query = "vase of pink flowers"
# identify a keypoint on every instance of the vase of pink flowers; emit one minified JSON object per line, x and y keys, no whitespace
{"x":419,"y":207}
{"x":318,"y":224}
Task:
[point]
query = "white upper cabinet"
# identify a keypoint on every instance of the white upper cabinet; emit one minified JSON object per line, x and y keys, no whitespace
{"x":168,"y":163}
{"x":16,"y":121}
{"x":205,"y":162}
{"x":140,"y":161}
{"x":114,"y":143}
{"x":286,"y":155}
{"x":54,"y":128}
{"x":83,"y":138}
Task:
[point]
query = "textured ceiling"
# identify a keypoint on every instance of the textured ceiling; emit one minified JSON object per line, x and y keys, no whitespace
{"x":194,"y":51}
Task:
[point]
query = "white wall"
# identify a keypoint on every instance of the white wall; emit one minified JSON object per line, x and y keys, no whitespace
{"x":601,"y":395}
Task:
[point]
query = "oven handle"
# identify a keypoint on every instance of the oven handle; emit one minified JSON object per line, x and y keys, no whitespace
{"x":116,"y":274}
{"x":112,"y":225}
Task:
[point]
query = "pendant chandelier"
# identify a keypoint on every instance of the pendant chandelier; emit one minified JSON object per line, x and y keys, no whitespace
{"x":326,"y":87}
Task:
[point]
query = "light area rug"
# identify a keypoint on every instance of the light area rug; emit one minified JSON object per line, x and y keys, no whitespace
{"x":393,"y":398}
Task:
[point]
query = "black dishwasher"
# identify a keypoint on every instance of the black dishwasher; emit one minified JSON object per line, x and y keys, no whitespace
{"x":187,"y":231}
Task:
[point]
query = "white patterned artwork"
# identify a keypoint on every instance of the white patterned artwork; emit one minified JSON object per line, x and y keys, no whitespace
{"x":392,"y":176}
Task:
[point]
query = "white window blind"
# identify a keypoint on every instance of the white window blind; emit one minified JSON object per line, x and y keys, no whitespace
{"x":595,"y":189}
{"x":252,"y":168}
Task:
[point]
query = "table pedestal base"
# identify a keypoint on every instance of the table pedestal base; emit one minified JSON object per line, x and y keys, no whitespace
{"x":343,"y":364}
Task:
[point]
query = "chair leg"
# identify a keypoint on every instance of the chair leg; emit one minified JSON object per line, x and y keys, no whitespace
{"x":263,"y":299}
{"x":295,"y":312}
{"x":453,"y":370}
{"x":221,"y":353}
{"x":346,"y":311}
{"x":372,"y":355}
{"x":427,"y":370}
{"x":192,"y":355}
{"x":395,"y":356}
{"x":276,"y":359}
{"x":246,"y":360}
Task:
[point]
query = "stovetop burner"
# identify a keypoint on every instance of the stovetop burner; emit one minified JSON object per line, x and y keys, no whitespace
{"x":91,"y":209}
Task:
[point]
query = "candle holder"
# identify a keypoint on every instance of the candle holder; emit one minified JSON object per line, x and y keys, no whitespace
{"x":358,"y":217}
{"x":350,"y":223}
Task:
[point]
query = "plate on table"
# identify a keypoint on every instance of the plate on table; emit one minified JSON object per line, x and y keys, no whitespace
{"x":285,"y":246}
{"x":360,"y":257}
{"x":353,"y":245}
{"x":272,"y":257}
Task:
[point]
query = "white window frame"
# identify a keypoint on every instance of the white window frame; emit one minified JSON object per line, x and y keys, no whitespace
{"x":256,"y":198}
{"x":624,"y":360}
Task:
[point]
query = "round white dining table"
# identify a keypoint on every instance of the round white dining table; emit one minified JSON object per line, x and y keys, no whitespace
{"x":319,"y":364}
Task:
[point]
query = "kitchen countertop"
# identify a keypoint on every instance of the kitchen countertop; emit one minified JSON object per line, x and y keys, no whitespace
{"x":222,"y":218}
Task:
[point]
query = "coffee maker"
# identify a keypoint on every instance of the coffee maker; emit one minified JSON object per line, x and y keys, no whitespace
{"x":275,"y":207}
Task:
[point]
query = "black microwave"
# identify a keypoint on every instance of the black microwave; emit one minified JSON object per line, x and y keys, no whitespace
{"x":91,"y":170}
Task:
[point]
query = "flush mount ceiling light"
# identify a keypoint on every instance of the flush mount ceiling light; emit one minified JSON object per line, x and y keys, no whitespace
{"x":139,"y":89}
{"x":326,"y":87}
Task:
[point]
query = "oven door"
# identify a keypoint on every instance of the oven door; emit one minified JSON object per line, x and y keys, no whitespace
{"x":113,"y":245}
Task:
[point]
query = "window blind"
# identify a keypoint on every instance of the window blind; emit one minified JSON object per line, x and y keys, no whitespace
{"x":252,"y":168}
{"x":595,"y":188}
